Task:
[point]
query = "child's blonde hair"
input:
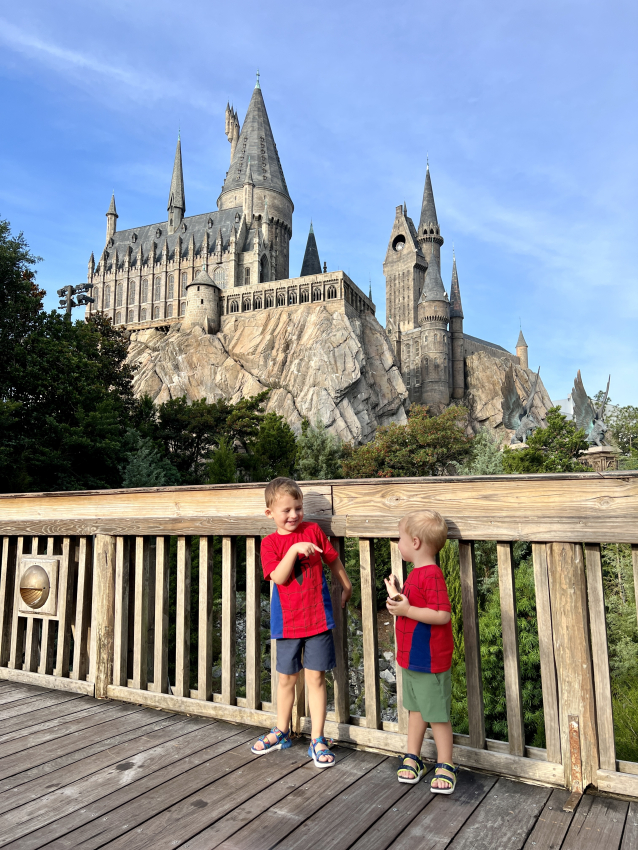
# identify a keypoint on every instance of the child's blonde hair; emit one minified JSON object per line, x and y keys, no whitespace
{"x":281,"y":487}
{"x":428,"y":526}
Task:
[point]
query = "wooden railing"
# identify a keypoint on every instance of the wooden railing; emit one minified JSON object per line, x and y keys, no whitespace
{"x":108,"y":634}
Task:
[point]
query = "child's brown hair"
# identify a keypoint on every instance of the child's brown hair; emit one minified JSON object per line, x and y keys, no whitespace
{"x":428,"y":526}
{"x":281,"y":487}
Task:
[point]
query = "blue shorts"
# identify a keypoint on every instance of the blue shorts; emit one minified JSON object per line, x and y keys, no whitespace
{"x":313,"y":653}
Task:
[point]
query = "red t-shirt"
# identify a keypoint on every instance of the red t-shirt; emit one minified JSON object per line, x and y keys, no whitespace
{"x":301,"y":606}
{"x":425,"y":647}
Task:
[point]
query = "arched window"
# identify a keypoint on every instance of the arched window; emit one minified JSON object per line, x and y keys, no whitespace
{"x":247,"y":277}
{"x":220,"y":276}
{"x":144,"y":290}
{"x":436,"y":337}
{"x":246,"y":305}
{"x":169,"y":311}
{"x":182,"y":308}
{"x":264,"y":270}
{"x":119,"y":294}
{"x":258,"y":302}
{"x":281,"y":299}
{"x":143,"y":314}
{"x":184,"y":282}
{"x":304,"y":296}
{"x":156,"y":313}
{"x":131,"y":292}
{"x":234,"y":307}
{"x":118,"y":318}
{"x":157,"y":289}
{"x":426,"y":364}
{"x":292,"y":297}
{"x":131,"y":316}
{"x":171,"y":286}
{"x":436,"y":366}
{"x":107,"y":296}
{"x":332,"y":292}
{"x":316,"y":295}
{"x":269,"y":300}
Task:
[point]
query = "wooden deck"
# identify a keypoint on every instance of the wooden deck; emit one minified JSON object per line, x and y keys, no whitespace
{"x":76,"y":772}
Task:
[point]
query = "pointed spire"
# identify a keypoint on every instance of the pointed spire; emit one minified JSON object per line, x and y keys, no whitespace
{"x":112,"y":210}
{"x":520,"y":343}
{"x":176,"y":199}
{"x":428,"y":209}
{"x":111,"y":219}
{"x":433,"y":289}
{"x":249,"y":174}
{"x":311,"y":262}
{"x":456,"y":308}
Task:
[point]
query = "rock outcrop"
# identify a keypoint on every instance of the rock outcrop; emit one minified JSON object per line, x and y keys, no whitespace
{"x":484,"y":377}
{"x":317,"y":363}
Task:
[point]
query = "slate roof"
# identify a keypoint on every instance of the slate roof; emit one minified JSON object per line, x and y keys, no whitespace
{"x":112,"y":210}
{"x":176,"y":196}
{"x":256,"y":142}
{"x":311,"y":262}
{"x":456,"y":308}
{"x":485,"y":342}
{"x":428,"y":209}
{"x":521,"y":340}
{"x":433,"y":289}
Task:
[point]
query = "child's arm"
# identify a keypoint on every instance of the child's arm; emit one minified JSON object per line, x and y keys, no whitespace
{"x":423,"y":615}
{"x":339,"y":572}
{"x":283,"y":569}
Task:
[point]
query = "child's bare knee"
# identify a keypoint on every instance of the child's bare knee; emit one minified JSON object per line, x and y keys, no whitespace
{"x":287,"y":680}
{"x":315,"y":678}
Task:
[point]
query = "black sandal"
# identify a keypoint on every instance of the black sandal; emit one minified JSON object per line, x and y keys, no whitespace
{"x":417,"y":772}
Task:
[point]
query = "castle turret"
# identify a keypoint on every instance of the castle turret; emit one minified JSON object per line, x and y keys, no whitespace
{"x":176,"y":200}
{"x":434,"y":316}
{"x":311,"y":262}
{"x":404,"y":268}
{"x":430,"y":238}
{"x":456,"y":332}
{"x":521,"y":350}
{"x":111,"y":219}
{"x":203,"y":304}
{"x":232,"y":129}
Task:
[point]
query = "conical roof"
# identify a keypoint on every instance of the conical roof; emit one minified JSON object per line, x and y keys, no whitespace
{"x":311,"y":262}
{"x":456,"y":308}
{"x":433,"y":289}
{"x":176,"y":195}
{"x":428,"y":209}
{"x":112,"y":210}
{"x":521,"y":340}
{"x":256,"y":142}
{"x":203,"y":278}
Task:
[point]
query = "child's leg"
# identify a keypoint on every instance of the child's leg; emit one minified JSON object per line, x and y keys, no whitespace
{"x":317,"y":701}
{"x":285,"y":700}
{"x":443,"y":739}
{"x":416,"y":733}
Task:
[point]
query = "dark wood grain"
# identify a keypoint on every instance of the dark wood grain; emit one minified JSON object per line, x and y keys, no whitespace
{"x":596,"y":826}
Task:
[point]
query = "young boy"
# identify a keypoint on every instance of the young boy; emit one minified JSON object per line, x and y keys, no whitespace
{"x":300,"y":614}
{"x":424,"y":647}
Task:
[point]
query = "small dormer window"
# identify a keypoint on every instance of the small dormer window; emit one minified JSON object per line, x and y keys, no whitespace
{"x":134,"y":238}
{"x":210,"y":223}
{"x":183,"y":227}
{"x":111,"y":242}
{"x":237,"y":218}
{"x":158,"y":232}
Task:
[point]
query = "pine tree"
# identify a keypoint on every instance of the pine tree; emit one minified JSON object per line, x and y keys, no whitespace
{"x":222,"y":467}
{"x":146,"y":467}
{"x":318,"y":453}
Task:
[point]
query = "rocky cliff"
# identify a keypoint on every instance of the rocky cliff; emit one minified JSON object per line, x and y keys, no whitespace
{"x":318,"y":364}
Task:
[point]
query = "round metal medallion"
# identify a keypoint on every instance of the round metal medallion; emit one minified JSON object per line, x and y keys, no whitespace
{"x":35,"y":586}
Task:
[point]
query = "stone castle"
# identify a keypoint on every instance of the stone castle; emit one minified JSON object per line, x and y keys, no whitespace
{"x":225,"y":274}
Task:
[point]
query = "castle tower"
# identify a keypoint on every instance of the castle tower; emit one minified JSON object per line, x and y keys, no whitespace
{"x":434,"y":316}
{"x":430,"y":238}
{"x":256,"y":142}
{"x":404,"y":268}
{"x":176,"y":200}
{"x":232,"y":129}
{"x":456,"y":332}
{"x":311,"y":262}
{"x":521,"y":350}
{"x":111,"y":219}
{"x":203,"y":304}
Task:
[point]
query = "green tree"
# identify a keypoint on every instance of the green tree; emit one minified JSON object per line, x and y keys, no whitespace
{"x":222,"y":466}
{"x":555,"y":448}
{"x":623,"y":427}
{"x":272,"y":452}
{"x":145,"y":466}
{"x":319,"y":453}
{"x":426,"y":445}
{"x":486,"y":457}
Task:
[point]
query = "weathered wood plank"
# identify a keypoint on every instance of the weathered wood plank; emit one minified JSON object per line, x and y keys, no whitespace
{"x":120,"y":635}
{"x":82,"y":611}
{"x":399,"y":570}
{"x":162,"y":574}
{"x":103,"y":614}
{"x":229,"y":624}
{"x":546,"y":651}
{"x":600,"y":658}
{"x":511,"y":660}
{"x":253,"y":624}
{"x":473,"y":672}
{"x":630,"y":835}
{"x":370,"y":636}
{"x":597,"y":825}
{"x":45,"y":710}
{"x":46,"y":681}
{"x":183,"y":618}
{"x":32,"y":634}
{"x":205,"y":620}
{"x":552,"y":824}
{"x":66,"y":607}
{"x":48,"y":629}
{"x":340,"y":634}
{"x":613,"y":782}
{"x":274,"y":675}
{"x":16,"y":646}
{"x":568,"y":595}
{"x":140,"y":626}
{"x":7,"y":595}
{"x":30,"y":705}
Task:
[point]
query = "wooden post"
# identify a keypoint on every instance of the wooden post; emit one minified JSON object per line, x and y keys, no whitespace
{"x":140,"y":621}
{"x":399,"y":570}
{"x":103,"y":614}
{"x":7,"y":592}
{"x":162,"y":566}
{"x":471,"y":639}
{"x":341,"y":681}
{"x":370,"y":636}
{"x":253,"y":624}
{"x":511,"y":660}
{"x":205,"y":620}
{"x":229,"y":621}
{"x":183,"y":618}
{"x":546,"y":651}
{"x":568,"y":592}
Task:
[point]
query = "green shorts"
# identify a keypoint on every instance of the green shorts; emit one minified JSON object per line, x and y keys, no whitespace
{"x":428,"y":693}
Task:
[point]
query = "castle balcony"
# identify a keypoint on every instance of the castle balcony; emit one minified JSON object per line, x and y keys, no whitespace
{"x":136,"y":668}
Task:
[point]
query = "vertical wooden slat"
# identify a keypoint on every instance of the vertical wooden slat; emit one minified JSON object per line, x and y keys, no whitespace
{"x":82,"y":609}
{"x":17,"y":624}
{"x":299,"y":705}
{"x":570,"y":629}
{"x":253,"y":625}
{"x":274,"y":675}
{"x":546,"y":650}
{"x":65,"y":607}
{"x":634,"y":561}
{"x":120,"y":638}
{"x":150,"y":633}
{"x":48,"y":625}
{"x":32,"y":636}
{"x":183,"y":618}
{"x":511,"y":660}
{"x":600,"y":657}
{"x":140,"y":628}
{"x":103,"y":613}
{"x":471,"y":639}
{"x":370,"y":637}
{"x":340,"y":633}
{"x":399,"y":571}
{"x":229,"y":570}
{"x":205,"y":620}
{"x":160,"y":667}
{"x":7,"y":594}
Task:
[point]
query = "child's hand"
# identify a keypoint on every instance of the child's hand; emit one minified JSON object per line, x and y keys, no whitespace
{"x":398,"y":609}
{"x":392,"y":586}
{"x":346,"y":593}
{"x":307,"y":549}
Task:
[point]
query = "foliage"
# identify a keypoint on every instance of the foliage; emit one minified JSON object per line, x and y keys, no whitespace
{"x":426,"y":445}
{"x":319,"y":453}
{"x":555,"y":448}
{"x":222,"y":466}
{"x":485,"y":458}
{"x":272,"y":452}
{"x":623,"y":427}
{"x":145,"y":466}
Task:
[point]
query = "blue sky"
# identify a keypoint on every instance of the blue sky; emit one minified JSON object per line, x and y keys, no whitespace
{"x":526,"y":110}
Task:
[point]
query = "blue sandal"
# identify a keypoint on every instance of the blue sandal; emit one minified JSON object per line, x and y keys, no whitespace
{"x":417,"y":772}
{"x":316,"y":755}
{"x":282,"y":743}
{"x":439,"y":774}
